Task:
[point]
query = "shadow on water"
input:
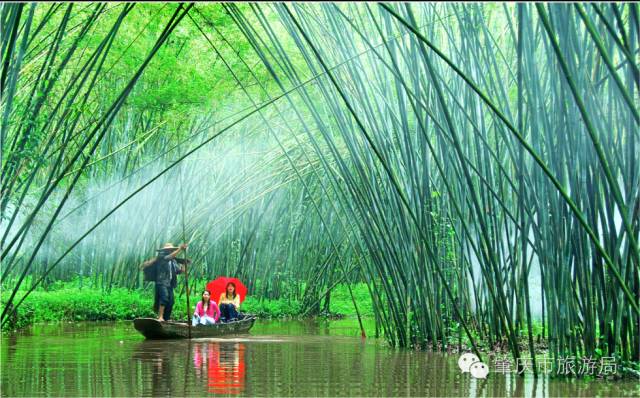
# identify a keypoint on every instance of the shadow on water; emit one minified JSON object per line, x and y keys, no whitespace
{"x":276,"y":359}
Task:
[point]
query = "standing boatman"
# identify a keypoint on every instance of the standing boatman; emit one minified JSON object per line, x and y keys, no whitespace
{"x":163,"y":270}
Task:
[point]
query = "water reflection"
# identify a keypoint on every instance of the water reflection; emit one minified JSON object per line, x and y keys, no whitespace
{"x":277,"y":359}
{"x":221,"y":365}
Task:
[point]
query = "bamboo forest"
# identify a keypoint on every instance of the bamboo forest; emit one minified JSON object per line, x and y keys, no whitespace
{"x":341,"y":199}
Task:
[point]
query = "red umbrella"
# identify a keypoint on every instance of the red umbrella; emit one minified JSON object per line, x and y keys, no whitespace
{"x":219,"y":285}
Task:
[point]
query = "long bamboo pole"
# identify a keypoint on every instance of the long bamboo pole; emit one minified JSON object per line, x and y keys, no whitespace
{"x":186,"y":265}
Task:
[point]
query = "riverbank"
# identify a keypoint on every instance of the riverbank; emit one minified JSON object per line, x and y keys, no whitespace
{"x":66,"y":302}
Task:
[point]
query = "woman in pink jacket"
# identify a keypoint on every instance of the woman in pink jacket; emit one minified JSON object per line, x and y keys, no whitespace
{"x":207,"y":311}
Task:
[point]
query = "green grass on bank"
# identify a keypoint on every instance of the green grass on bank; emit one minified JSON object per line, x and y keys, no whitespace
{"x":69,"y":302}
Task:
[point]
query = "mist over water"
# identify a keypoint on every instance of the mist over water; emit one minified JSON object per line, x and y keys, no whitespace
{"x":215,"y":185}
{"x":213,"y":197}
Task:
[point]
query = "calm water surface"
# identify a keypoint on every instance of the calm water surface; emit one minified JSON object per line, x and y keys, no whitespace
{"x":278,"y":358}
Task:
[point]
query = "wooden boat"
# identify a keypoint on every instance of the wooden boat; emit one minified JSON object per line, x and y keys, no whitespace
{"x":152,"y":329}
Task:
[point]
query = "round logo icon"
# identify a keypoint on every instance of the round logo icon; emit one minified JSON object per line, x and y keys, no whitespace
{"x":465,"y":361}
{"x":479,"y":370}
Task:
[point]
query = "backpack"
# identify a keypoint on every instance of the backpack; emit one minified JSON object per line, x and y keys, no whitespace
{"x":150,"y":273}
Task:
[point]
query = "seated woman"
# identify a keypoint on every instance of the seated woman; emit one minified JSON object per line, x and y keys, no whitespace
{"x":229,"y":303}
{"x":207,"y":311}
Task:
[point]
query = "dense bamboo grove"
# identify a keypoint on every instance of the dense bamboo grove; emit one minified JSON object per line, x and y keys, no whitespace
{"x":475,"y":165}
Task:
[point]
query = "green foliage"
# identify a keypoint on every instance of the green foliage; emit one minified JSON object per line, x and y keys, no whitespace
{"x":341,"y":302}
{"x":67,"y":302}
{"x":277,"y":308}
{"x":73,"y":304}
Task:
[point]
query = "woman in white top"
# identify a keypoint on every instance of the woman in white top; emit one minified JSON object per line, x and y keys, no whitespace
{"x":229,"y":303}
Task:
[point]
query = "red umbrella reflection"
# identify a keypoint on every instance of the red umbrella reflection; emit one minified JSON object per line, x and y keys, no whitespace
{"x":229,"y":374}
{"x":225,"y":366}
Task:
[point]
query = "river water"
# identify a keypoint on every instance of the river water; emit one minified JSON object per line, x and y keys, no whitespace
{"x":281,"y":358}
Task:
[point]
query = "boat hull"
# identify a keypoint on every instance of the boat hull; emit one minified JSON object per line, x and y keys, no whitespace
{"x":152,"y":329}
